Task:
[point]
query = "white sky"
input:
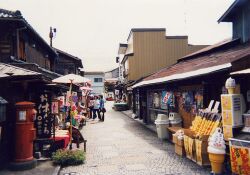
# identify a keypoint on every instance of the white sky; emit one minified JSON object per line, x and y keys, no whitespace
{"x":93,"y":29}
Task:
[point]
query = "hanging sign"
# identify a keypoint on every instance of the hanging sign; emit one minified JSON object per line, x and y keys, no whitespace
{"x":44,"y":121}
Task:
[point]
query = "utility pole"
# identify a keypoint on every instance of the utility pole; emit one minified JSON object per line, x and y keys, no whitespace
{"x":52,"y":34}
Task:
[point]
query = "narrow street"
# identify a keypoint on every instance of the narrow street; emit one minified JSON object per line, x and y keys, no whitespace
{"x":122,"y":146}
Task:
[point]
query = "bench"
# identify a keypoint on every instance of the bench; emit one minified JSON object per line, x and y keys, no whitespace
{"x":77,"y":138}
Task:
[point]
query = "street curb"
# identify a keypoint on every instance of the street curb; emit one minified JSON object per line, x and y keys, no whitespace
{"x":57,"y":170}
{"x":138,"y":122}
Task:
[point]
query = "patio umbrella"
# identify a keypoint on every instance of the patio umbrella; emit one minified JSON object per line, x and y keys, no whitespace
{"x":71,"y":79}
{"x":86,"y":88}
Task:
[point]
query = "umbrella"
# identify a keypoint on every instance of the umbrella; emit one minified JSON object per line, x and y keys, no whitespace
{"x":86,"y":88}
{"x":71,"y":79}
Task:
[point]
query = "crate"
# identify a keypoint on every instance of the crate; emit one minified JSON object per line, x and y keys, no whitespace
{"x":175,"y":139}
{"x":201,"y":152}
{"x":180,"y":150}
{"x":189,"y":145}
{"x":180,"y":142}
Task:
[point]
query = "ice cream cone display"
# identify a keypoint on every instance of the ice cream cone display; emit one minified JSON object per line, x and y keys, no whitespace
{"x":216,"y":149}
{"x":217,"y":161}
{"x":230,"y":85}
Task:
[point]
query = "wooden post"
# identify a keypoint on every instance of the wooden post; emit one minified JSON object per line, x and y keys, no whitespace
{"x":70,"y":90}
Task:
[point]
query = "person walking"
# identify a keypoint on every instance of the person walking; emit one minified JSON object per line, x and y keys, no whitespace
{"x":102,"y":108}
{"x":96,"y":108}
{"x":91,"y":106}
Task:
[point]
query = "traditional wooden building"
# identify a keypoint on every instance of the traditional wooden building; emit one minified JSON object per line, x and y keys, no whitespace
{"x":27,"y":66}
{"x":67,"y":63}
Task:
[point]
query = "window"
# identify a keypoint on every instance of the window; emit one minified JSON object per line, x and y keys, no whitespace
{"x":97,"y":80}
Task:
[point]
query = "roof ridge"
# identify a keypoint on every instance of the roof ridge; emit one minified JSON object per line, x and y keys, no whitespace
{"x":16,"y":13}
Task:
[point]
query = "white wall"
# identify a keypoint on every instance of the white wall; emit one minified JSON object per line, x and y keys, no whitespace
{"x":98,"y":87}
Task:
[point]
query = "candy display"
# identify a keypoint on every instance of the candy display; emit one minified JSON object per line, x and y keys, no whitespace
{"x":205,"y":123}
{"x":216,"y":149}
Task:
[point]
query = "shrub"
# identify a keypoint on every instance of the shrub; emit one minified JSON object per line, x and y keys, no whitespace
{"x":68,"y":157}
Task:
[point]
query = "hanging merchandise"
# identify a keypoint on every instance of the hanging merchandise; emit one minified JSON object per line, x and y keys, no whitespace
{"x":74,"y":97}
{"x":61,"y":101}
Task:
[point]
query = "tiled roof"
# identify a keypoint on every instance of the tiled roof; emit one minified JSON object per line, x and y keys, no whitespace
{"x":10,"y":14}
{"x":211,"y":48}
{"x":69,"y":55}
{"x":207,"y":63}
{"x":7,"y":70}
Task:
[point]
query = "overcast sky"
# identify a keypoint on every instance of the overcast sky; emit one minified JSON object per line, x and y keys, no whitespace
{"x":93,"y":29}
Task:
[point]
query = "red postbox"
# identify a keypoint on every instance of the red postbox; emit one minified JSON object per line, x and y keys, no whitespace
{"x":25,"y":131}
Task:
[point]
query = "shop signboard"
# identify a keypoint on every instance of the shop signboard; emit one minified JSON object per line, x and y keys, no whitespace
{"x":44,"y":121}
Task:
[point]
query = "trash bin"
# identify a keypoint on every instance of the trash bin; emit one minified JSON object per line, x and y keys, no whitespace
{"x":175,"y":119}
{"x":162,"y":122}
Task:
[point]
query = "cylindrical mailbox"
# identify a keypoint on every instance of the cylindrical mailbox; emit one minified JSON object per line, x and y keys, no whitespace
{"x":25,"y":131}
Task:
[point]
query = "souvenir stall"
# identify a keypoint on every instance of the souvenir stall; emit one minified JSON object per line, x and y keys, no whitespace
{"x":193,"y":141}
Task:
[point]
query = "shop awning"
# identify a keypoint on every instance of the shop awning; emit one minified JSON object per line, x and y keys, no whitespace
{"x":184,"y":75}
{"x":246,"y":71}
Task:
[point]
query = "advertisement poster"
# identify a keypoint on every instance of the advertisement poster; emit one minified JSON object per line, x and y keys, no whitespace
{"x":240,"y":160}
{"x":165,"y":99}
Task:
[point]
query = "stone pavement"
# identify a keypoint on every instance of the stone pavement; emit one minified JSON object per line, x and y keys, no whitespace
{"x":121,"y":146}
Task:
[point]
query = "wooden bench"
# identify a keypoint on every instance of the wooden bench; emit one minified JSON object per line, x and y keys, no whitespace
{"x":77,"y":138}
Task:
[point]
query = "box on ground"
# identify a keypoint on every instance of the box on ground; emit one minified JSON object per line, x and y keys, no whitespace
{"x":180,"y":150}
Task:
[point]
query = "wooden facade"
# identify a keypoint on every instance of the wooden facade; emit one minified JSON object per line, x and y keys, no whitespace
{"x":149,"y":50}
{"x":67,"y":63}
{"x":22,"y":45}
{"x":239,"y":14}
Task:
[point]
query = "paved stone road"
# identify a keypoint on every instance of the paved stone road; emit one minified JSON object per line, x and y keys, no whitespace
{"x":121,"y":146}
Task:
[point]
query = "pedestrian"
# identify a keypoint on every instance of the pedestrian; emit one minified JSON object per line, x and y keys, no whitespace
{"x":102,"y":108}
{"x":91,"y":106}
{"x":96,"y":108}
